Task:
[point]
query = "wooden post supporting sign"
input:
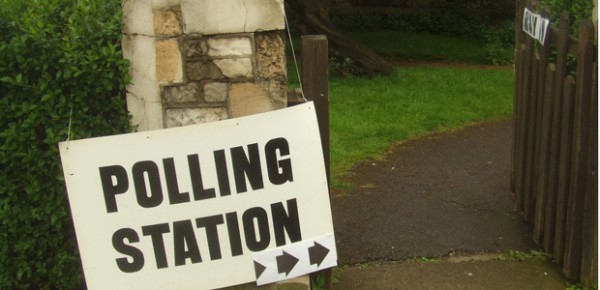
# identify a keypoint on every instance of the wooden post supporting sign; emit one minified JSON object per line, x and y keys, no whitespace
{"x":315,"y":82}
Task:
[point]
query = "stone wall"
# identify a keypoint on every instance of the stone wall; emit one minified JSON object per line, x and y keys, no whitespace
{"x":196,"y":61}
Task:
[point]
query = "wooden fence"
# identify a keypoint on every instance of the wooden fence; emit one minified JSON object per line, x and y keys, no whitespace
{"x":555,"y":154}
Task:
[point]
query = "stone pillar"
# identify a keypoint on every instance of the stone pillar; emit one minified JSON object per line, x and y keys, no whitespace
{"x":196,"y":61}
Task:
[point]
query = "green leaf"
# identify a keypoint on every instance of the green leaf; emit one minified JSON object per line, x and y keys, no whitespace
{"x":46,"y":97}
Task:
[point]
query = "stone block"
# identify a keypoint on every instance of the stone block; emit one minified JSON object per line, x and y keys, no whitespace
{"x":270,"y":56}
{"x":140,"y":51}
{"x":248,"y":99}
{"x":145,"y":115}
{"x":203,"y":70}
{"x":188,"y":116}
{"x":191,"y":92}
{"x":137,"y":14}
{"x":216,"y":92}
{"x":235,"y":68}
{"x":231,"y":16}
{"x":166,"y":22}
{"x":229,"y":46}
{"x":277,"y":91}
{"x":169,"y":68}
{"x":195,"y":47}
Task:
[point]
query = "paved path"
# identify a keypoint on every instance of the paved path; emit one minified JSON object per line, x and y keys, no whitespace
{"x":437,"y":196}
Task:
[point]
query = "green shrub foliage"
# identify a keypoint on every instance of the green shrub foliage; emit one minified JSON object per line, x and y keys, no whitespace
{"x":500,"y":43}
{"x":57,"y":58}
{"x":578,"y":10}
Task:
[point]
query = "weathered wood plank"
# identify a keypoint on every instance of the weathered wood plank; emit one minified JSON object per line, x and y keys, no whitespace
{"x":573,"y":238}
{"x":543,"y":154}
{"x":517,"y":168}
{"x":562,"y":38}
{"x":539,"y":153}
{"x":564,"y":167}
{"x":517,"y":152}
{"x":528,"y":131}
{"x":589,"y":255}
{"x":315,"y":83}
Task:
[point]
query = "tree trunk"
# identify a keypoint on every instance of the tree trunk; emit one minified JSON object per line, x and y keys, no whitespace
{"x":314,"y":19}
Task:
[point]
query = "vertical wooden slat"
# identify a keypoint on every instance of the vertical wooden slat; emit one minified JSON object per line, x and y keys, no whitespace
{"x":538,"y":169}
{"x":573,"y":243}
{"x":517,"y":152}
{"x":528,"y":129}
{"x":562,"y":42}
{"x":520,"y":127}
{"x":564,"y":166}
{"x":517,"y":155}
{"x":531,"y":91}
{"x":527,"y":103}
{"x":589,"y":255}
{"x":542,"y":164}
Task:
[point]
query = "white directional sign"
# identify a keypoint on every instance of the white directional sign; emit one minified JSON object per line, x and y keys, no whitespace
{"x":194,"y":207}
{"x":535,"y":25}
{"x":295,"y":259}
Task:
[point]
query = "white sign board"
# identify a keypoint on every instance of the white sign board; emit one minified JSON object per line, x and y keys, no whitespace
{"x":202,"y":206}
{"x":535,"y":25}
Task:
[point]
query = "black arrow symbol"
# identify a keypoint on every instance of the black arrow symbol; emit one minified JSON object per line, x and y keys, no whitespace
{"x":317,"y":254}
{"x":285,"y":263}
{"x":258,"y":269}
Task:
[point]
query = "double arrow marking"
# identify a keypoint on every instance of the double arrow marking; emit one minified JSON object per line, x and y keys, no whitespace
{"x":295,"y":259}
{"x":286,"y":262}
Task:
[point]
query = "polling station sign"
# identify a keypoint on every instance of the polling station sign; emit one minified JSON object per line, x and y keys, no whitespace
{"x":202,"y":206}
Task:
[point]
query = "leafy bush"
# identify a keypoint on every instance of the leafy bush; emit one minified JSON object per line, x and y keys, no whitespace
{"x":578,"y":10}
{"x":500,"y":43}
{"x":57,"y":58}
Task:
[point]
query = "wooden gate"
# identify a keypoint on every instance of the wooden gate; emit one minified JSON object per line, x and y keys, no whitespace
{"x":555,"y":154}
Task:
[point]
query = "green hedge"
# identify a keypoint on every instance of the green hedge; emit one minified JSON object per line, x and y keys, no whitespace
{"x":56,"y":57}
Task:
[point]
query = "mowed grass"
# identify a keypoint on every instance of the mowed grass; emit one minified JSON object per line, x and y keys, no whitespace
{"x":368,"y":115}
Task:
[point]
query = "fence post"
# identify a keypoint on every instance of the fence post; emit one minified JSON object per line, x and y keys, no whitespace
{"x":315,"y":83}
